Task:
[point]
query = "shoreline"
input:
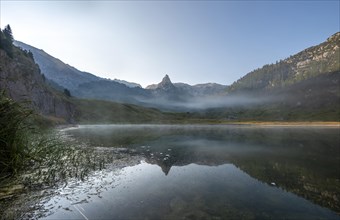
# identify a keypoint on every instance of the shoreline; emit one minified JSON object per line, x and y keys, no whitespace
{"x":332,"y":124}
{"x":289,"y":124}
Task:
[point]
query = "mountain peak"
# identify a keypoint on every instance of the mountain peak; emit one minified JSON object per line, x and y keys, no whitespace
{"x":166,"y":80}
{"x":165,"y":84}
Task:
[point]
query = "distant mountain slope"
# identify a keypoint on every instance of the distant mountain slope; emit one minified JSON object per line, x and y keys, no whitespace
{"x":199,"y":90}
{"x":305,"y":86}
{"x":98,"y":111}
{"x":86,"y":85}
{"x":128,"y":84}
{"x":319,"y":92}
{"x":166,"y":91}
{"x":320,"y":59}
{"x":57,"y":71}
{"x":270,"y":86}
{"x":313,"y":99}
{"x":183,"y":92}
{"x":112,"y":91}
{"x":206,"y":89}
{"x":61,"y":73}
{"x":21,"y":79}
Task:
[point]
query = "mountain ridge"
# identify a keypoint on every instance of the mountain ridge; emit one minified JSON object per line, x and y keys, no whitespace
{"x":254,"y":87}
{"x":86,"y":85}
{"x":64,"y":74}
{"x":311,"y":62}
{"x":22,"y":81}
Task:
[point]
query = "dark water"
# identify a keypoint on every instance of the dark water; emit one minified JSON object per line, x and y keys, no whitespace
{"x":206,"y":172}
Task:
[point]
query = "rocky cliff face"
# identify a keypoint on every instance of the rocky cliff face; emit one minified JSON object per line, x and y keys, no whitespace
{"x":21,"y":79}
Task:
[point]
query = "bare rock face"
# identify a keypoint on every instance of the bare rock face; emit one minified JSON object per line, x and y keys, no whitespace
{"x":21,"y":79}
{"x":165,"y":84}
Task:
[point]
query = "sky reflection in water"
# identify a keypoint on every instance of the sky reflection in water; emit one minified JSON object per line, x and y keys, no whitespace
{"x":207,"y":172}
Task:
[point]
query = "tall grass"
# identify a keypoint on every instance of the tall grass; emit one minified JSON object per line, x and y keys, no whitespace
{"x":56,"y":161}
{"x":32,"y":159}
{"x":38,"y":159}
{"x":14,"y":132}
{"x":43,"y":157}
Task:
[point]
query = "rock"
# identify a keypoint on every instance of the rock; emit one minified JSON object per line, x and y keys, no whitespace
{"x":22,"y":81}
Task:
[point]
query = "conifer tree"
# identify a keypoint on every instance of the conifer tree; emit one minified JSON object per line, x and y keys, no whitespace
{"x":67,"y":92}
{"x":8,"y":34}
{"x":6,"y":40}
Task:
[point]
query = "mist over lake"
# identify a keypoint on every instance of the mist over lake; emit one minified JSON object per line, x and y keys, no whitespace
{"x":205,"y":172}
{"x":169,"y":110}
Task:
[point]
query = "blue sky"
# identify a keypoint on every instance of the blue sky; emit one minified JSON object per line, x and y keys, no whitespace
{"x":191,"y":41}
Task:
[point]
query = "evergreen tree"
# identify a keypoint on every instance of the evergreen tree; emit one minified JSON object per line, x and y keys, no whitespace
{"x":67,"y":93}
{"x":30,"y":54}
{"x":8,"y":34}
{"x":2,"y":40}
{"x":6,"y":40}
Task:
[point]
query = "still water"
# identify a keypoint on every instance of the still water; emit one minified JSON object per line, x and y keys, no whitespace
{"x":205,"y":172}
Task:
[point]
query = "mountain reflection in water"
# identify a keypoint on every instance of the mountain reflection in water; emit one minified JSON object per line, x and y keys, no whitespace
{"x":207,"y":172}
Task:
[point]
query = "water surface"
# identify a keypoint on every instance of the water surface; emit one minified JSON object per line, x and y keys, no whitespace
{"x":205,"y":172}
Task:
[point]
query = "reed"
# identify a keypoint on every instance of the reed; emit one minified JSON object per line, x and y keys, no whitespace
{"x":14,"y":135}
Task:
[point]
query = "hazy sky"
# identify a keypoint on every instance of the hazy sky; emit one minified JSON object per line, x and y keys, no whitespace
{"x":191,"y":41}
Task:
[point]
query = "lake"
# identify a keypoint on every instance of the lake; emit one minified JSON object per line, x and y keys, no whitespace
{"x":204,"y":172}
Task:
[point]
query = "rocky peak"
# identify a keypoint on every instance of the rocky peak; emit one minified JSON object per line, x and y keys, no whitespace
{"x":166,"y":83}
{"x":166,"y":79}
